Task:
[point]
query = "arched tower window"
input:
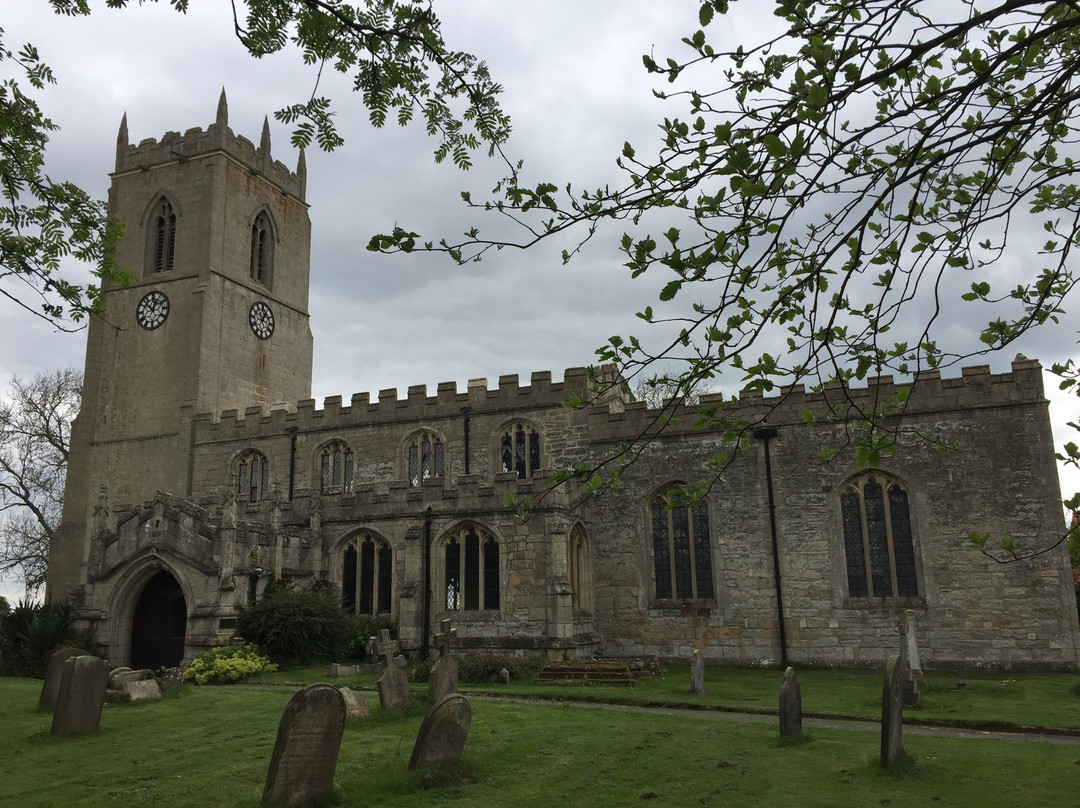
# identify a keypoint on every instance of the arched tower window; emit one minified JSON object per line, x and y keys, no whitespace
{"x":253,"y":477}
{"x":336,"y":468}
{"x":425,"y":458}
{"x":471,"y":580}
{"x":878,"y":544}
{"x":367,"y":572}
{"x":682,"y":554}
{"x":262,"y":250}
{"x":580,"y":572}
{"x":162,"y":236}
{"x":520,"y":450}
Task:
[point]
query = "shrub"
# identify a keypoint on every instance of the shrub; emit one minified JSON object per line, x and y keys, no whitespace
{"x":363,"y":629}
{"x":230,"y":663}
{"x":297,"y":627}
{"x":30,"y":632}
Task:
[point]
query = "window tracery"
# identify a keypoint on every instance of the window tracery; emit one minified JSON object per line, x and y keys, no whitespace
{"x":879,"y":547}
{"x":682,"y":549}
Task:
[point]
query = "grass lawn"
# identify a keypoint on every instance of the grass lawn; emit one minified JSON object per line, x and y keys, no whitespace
{"x":210,"y":746}
{"x":992,"y":700}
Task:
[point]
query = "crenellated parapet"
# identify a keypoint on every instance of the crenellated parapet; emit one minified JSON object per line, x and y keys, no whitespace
{"x":974,"y":389}
{"x":174,"y":147}
{"x":387,"y":408}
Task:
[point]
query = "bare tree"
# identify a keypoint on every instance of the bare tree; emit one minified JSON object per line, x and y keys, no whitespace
{"x":35,"y":434}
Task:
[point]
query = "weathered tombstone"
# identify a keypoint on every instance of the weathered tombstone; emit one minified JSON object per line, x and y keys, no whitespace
{"x":171,"y":678}
{"x":393,"y":684}
{"x":892,"y":712}
{"x":53,"y":673}
{"x":909,"y":654}
{"x":81,"y":696}
{"x":697,"y":675}
{"x":306,"y":750}
{"x":145,"y":690}
{"x":444,"y":673}
{"x":790,"y":707}
{"x":337,"y":669}
{"x":443,"y":734}
{"x":121,"y":676}
{"x":356,"y":706}
{"x":400,"y":661}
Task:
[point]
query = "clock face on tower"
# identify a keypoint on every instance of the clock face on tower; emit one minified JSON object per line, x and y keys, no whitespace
{"x":261,"y":320}
{"x":152,"y":310}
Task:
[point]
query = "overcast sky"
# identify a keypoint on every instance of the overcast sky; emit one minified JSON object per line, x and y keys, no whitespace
{"x":576,"y":90}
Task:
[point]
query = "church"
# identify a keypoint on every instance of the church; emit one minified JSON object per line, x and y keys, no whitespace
{"x":200,"y":469}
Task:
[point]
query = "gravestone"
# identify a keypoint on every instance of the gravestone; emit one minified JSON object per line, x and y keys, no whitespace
{"x":338,"y":670}
{"x":892,"y":712}
{"x":145,"y":690}
{"x":443,"y":734}
{"x":909,"y":654}
{"x":53,"y":673}
{"x":790,"y":707}
{"x":697,"y":675}
{"x":356,"y":706}
{"x":393,"y":684}
{"x":444,"y":673}
{"x":306,"y":750}
{"x":81,"y":696}
{"x":171,"y":678}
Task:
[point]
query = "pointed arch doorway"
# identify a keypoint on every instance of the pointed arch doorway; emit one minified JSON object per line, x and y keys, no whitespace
{"x":158,"y":624}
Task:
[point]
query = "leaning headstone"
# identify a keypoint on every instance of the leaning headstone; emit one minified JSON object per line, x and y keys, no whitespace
{"x":400,"y":661}
{"x":356,"y":706}
{"x":306,"y":750}
{"x":81,"y":696}
{"x":121,"y":676}
{"x":697,"y":675}
{"x":53,"y":673}
{"x":443,"y":734}
{"x":444,"y":673}
{"x":171,"y":678}
{"x":892,"y":712}
{"x":790,"y":707}
{"x":909,"y":654}
{"x":393,"y":684}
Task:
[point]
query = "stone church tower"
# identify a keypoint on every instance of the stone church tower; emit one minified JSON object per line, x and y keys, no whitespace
{"x":217,"y":242}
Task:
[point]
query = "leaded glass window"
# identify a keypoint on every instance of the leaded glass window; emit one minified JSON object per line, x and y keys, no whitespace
{"x":472,"y":570}
{"x":520,"y":450}
{"x":878,"y":546}
{"x":366,"y":581}
{"x":253,"y":477}
{"x":682,"y":555}
{"x":426,"y":458}
{"x":336,"y":468}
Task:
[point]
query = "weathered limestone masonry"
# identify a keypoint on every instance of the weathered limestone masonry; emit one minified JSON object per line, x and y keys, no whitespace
{"x":200,"y":468}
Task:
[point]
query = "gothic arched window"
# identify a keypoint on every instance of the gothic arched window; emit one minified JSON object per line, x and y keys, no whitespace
{"x":366,"y":580}
{"x":253,"y":477}
{"x":471,"y":580}
{"x":262,"y":250}
{"x":336,"y":468}
{"x":426,"y":458}
{"x":162,"y":236}
{"x":580,"y":574}
{"x":682,"y":555}
{"x":520,"y":450}
{"x":878,"y":545}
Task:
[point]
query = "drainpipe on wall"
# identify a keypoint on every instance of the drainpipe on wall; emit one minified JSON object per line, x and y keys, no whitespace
{"x":764,"y":435}
{"x":427,"y":578}
{"x":291,"y":432}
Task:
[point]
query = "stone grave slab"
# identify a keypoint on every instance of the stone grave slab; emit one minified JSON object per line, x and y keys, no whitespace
{"x":697,"y":675}
{"x":356,"y":705}
{"x":144,"y":690}
{"x":790,"y":707}
{"x":443,"y":733}
{"x":306,"y":750}
{"x":393,"y":684}
{"x":53,"y":673}
{"x":81,"y":696}
{"x":337,"y":669}
{"x":892,"y":712}
{"x":444,"y":673}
